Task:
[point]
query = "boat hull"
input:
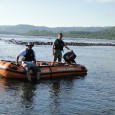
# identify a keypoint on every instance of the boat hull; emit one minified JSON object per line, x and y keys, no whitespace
{"x":9,"y":69}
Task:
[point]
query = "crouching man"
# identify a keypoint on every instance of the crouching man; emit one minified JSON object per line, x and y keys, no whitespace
{"x":29,"y":61}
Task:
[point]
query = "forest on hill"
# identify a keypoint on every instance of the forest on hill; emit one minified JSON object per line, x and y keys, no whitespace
{"x":76,"y":32}
{"x":103,"y":34}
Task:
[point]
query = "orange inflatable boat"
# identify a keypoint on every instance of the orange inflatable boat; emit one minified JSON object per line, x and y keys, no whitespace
{"x":9,"y":69}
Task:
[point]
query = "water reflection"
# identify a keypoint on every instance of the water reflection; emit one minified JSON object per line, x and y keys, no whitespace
{"x":28,"y":94}
{"x":55,"y":94}
{"x":2,"y":85}
{"x":57,"y":90}
{"x":23,"y":91}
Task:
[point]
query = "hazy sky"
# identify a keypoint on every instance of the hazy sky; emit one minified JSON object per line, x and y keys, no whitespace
{"x":58,"y":13}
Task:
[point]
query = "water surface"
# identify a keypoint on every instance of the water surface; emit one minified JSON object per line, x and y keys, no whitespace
{"x":89,"y":95}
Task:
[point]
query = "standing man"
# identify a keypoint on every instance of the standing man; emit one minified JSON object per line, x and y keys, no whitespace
{"x":29,"y":61}
{"x":58,"y":48}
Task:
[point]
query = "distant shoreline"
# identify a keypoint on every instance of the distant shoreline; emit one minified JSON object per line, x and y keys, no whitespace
{"x":74,"y":32}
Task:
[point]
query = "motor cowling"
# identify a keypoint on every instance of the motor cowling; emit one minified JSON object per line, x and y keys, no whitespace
{"x":69,"y":57}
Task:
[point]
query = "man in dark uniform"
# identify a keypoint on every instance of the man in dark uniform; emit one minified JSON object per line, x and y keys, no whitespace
{"x":58,"y":48}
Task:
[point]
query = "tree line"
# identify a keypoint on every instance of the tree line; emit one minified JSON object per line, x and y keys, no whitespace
{"x":108,"y":33}
{"x":104,"y":34}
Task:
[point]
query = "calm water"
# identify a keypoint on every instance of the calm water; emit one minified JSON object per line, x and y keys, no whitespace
{"x":93,"y":94}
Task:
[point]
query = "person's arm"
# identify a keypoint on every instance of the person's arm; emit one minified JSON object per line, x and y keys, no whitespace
{"x":67,"y":47}
{"x":53,"y":49}
{"x":20,"y":54}
{"x":34,"y":61}
{"x":17,"y":58}
{"x":34,"y":57}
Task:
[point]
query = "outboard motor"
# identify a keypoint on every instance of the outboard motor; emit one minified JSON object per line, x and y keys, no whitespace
{"x":69,"y":57}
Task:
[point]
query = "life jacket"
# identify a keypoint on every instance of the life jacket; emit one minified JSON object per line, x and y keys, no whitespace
{"x":29,"y":55}
{"x":59,"y":44}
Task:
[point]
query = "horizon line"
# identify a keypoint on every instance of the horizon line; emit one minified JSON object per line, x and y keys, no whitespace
{"x":53,"y":26}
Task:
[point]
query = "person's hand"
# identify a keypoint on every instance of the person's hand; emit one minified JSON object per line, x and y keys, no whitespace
{"x":70,"y":50}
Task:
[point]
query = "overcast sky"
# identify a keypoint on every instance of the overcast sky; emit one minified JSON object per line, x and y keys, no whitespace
{"x":58,"y":13}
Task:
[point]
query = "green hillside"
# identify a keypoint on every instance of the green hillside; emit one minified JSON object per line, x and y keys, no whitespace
{"x":76,"y":32}
{"x":103,"y":34}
